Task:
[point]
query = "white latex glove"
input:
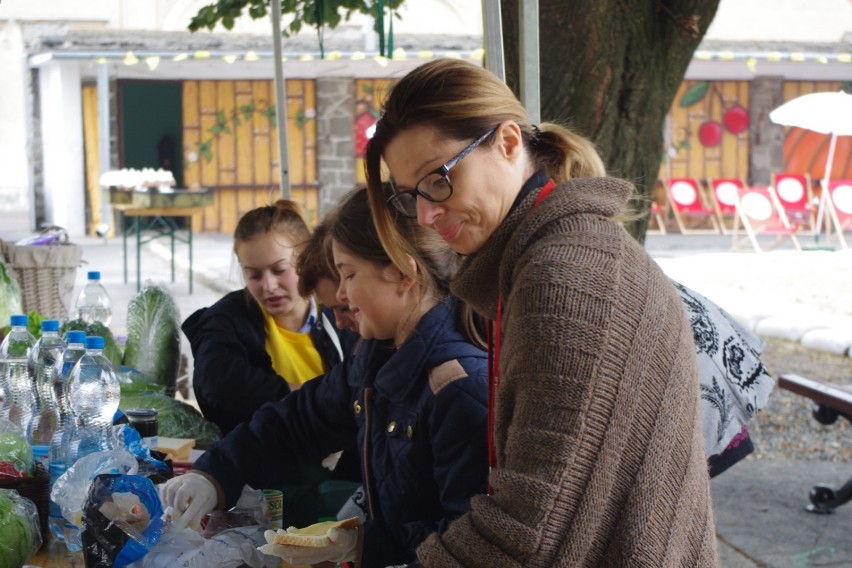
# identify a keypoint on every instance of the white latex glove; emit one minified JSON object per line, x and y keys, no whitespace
{"x":191,"y":496}
{"x":342,"y":548}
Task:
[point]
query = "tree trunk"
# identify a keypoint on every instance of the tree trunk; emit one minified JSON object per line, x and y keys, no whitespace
{"x":610,"y":70}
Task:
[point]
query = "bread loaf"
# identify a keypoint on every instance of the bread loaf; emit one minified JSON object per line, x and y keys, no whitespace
{"x":315,"y":535}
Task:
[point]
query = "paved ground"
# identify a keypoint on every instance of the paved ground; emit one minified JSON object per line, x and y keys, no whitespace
{"x":759,"y":505}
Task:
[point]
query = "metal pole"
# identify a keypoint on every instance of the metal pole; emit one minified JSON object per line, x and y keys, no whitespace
{"x":529,"y":72}
{"x":104,"y":145}
{"x":492,"y":20}
{"x":280,"y":101}
{"x":826,"y":177}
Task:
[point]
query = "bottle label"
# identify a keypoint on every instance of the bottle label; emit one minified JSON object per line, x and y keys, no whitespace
{"x":40,"y":455}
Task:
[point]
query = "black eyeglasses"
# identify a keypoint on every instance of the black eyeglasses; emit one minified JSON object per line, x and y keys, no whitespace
{"x":434,"y":186}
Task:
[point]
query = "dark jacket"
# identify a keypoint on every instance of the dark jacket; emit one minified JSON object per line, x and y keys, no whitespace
{"x":233,"y":373}
{"x":419,"y":415}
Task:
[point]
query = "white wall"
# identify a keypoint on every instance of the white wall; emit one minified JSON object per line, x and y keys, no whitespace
{"x":782,"y":20}
{"x":14,"y":171}
{"x":62,"y":143}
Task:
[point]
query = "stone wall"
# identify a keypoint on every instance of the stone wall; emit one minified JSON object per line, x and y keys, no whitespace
{"x":335,"y":139}
{"x":766,"y":137}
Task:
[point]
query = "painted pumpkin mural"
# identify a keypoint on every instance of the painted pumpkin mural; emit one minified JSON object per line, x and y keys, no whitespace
{"x":806,"y":151}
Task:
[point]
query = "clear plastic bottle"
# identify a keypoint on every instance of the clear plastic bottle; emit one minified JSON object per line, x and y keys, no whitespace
{"x":14,"y":372}
{"x":45,"y":419}
{"x":93,"y":303}
{"x":94,"y":394}
{"x":64,"y":433}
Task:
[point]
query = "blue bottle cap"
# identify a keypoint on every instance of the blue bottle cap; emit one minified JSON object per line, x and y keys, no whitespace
{"x":75,"y":336}
{"x":94,"y":275}
{"x":50,"y":325}
{"x":20,"y":319}
{"x":94,"y":342}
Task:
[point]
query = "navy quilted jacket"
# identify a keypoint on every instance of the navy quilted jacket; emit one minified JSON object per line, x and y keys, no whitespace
{"x":418,"y":414}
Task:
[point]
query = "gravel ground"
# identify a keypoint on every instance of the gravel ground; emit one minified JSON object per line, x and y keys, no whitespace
{"x":785,"y":429}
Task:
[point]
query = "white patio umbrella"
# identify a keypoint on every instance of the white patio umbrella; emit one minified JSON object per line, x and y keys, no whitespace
{"x":827,"y":113}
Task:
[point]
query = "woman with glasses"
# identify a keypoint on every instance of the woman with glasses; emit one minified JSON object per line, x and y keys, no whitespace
{"x":596,"y":449}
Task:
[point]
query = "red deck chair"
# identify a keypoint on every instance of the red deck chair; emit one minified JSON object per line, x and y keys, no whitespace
{"x":795,"y":195}
{"x":724,"y":192}
{"x":761,"y":214}
{"x":839,"y":204}
{"x":684,"y":196}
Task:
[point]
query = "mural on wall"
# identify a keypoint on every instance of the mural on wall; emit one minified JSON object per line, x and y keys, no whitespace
{"x":806,"y":151}
{"x":369,"y":94}
{"x":230,"y":144}
{"x":706,"y":133}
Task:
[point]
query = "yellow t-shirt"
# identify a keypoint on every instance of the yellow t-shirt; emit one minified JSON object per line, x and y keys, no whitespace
{"x":293,"y":354}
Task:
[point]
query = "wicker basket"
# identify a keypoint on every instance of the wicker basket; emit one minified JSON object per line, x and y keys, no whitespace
{"x":46,"y":275}
{"x":36,"y":489}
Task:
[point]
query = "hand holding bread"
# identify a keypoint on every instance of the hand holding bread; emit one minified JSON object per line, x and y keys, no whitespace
{"x":332,"y":541}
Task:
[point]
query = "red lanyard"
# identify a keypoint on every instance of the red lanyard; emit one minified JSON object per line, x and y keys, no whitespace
{"x":494,"y":340}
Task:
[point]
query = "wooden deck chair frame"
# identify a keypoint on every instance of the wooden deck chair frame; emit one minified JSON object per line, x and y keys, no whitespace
{"x":724,"y":193}
{"x":797,"y":198}
{"x":657,"y":213}
{"x":839,"y":205}
{"x":760,"y":213}
{"x":686,"y":201}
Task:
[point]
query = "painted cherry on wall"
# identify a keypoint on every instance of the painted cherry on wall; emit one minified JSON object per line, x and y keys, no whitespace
{"x":735,"y":119}
{"x":710,"y":134}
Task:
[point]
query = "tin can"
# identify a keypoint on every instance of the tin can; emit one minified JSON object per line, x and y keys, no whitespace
{"x":274,"y":507}
{"x":144,"y":421}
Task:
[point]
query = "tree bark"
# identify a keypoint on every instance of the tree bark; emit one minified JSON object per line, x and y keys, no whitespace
{"x":610,"y":70}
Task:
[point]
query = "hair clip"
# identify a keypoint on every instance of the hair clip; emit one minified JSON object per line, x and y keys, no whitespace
{"x":536,"y":136}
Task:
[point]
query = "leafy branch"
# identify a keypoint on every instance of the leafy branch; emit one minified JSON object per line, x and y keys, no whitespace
{"x":225,"y":123}
{"x":316,"y":13}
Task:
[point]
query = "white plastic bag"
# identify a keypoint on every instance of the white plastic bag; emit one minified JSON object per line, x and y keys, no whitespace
{"x":72,"y":487}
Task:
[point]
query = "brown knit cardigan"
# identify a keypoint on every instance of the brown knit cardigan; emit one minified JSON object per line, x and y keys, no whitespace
{"x":600,"y":458}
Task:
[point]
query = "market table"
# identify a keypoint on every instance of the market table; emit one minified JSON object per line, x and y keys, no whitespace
{"x":55,"y":554}
{"x":158,"y":222}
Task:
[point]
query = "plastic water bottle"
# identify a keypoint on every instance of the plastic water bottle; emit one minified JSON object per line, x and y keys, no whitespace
{"x":14,"y":373}
{"x":45,"y":419}
{"x":93,"y":303}
{"x":64,"y":433}
{"x":94,"y":393}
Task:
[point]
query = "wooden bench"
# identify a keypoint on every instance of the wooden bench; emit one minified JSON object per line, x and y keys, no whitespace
{"x":831,"y":402}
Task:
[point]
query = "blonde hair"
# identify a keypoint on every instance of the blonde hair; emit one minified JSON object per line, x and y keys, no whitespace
{"x":462,"y":101}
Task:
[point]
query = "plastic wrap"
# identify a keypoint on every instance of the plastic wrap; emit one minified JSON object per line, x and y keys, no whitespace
{"x":16,"y":455}
{"x":150,"y":465}
{"x":122,"y":520}
{"x":133,"y":382}
{"x":229,"y":539}
{"x":96,"y":328}
{"x":19,"y":533}
{"x":72,"y":487}
{"x":153,"y":335}
{"x":231,"y":548}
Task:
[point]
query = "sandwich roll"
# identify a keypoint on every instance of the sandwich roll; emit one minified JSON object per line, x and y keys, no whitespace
{"x":315,"y":536}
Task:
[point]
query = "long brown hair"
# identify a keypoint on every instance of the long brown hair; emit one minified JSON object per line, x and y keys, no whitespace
{"x":284,"y":218}
{"x":462,"y":101}
{"x":351,"y":226}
